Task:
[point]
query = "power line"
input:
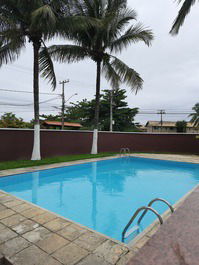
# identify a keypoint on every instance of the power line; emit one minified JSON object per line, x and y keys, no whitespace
{"x":27,"y":92}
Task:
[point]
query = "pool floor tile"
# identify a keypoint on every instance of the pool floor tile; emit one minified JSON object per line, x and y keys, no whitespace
{"x":70,"y":254}
{"x":71,"y":232}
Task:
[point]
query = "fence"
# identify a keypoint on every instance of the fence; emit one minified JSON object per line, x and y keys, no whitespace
{"x":17,"y":143}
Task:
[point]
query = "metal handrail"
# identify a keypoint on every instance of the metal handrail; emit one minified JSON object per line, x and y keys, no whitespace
{"x":124,"y":151}
{"x":135,"y":215}
{"x":150,"y":204}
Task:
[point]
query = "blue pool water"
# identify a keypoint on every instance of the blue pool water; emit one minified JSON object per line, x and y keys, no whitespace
{"x":104,"y":195}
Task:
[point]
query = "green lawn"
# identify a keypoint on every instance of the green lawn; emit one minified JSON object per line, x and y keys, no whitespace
{"x":46,"y":161}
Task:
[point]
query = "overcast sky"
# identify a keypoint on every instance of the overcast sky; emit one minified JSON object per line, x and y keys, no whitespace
{"x":170,"y":69}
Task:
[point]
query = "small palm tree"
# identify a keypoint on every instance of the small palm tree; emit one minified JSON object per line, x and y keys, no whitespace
{"x":195,"y":115}
{"x":33,"y":21}
{"x":183,"y":12}
{"x":107,"y":36}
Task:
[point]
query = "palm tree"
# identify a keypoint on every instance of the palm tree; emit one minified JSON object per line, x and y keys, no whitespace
{"x":195,"y":115}
{"x":183,"y":12}
{"x":100,"y":41}
{"x":28,"y":21}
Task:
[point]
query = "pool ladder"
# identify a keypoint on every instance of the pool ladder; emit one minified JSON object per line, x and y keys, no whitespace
{"x":146,"y":209}
{"x":124,"y":151}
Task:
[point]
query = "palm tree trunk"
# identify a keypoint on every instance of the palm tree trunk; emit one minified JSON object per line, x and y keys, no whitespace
{"x":36,"y":144}
{"x":97,"y":107}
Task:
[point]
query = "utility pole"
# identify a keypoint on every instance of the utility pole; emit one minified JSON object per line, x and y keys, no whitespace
{"x":111,"y":110}
{"x":63,"y":102}
{"x":161,"y":112}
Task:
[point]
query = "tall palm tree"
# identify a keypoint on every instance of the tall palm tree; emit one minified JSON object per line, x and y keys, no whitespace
{"x":23,"y":21}
{"x":100,"y":42}
{"x":183,"y":12}
{"x":195,"y":115}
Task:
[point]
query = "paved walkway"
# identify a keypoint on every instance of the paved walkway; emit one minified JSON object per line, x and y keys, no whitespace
{"x":30,"y":235}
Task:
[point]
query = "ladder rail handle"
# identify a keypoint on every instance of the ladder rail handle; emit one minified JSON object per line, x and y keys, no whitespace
{"x":135,"y":215}
{"x":150,"y":204}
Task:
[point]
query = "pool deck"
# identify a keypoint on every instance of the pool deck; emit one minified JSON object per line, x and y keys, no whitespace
{"x":30,"y":235}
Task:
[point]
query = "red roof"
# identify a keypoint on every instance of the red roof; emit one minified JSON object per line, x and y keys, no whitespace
{"x":58,"y":123}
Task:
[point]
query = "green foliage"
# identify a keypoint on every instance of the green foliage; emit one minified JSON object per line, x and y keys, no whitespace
{"x":183,"y":12}
{"x":195,"y":115}
{"x":181,"y":126}
{"x":123,"y":116}
{"x":9,"y":120}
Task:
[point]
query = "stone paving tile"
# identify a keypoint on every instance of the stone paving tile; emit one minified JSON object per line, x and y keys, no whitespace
{"x":33,"y":256}
{"x":110,"y":251}
{"x":5,"y":213}
{"x":89,"y":240}
{"x":2,"y":226}
{"x":13,"y":220}
{"x":25,"y":226}
{"x":37,"y":234}
{"x":124,"y":259}
{"x":93,"y":260}
{"x":70,"y":254}
{"x":52,"y":243}
{"x":71,"y":232}
{"x":32,"y":212}
{"x":6,"y":234}
{"x":56,"y":224}
{"x":6,"y":198}
{"x":2,"y":207}
{"x":13,"y":246}
{"x":13,"y":203}
{"x":22,"y":207}
{"x":44,"y":218}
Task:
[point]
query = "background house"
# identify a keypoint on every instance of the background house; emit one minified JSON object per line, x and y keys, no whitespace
{"x":57,"y":125}
{"x":168,"y":127}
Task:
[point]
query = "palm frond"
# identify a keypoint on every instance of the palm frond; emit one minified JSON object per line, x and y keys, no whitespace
{"x":43,"y":18}
{"x":10,"y":51}
{"x":134,"y":34}
{"x":127,"y":75}
{"x":46,"y":66}
{"x":183,"y":12}
{"x":110,"y":74}
{"x":67,"y":53}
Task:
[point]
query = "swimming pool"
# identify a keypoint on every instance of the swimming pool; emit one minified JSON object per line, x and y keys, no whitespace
{"x":104,"y":195}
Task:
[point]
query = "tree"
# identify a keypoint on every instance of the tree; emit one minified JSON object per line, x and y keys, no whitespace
{"x":9,"y":120}
{"x":183,"y":12}
{"x":123,"y":116}
{"x":181,"y":126}
{"x":34,"y":21}
{"x":102,"y":39}
{"x":195,"y":115}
